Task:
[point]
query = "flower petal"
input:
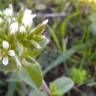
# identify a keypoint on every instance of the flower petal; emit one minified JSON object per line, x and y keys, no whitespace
{"x":14,"y":28}
{"x":5,"y":44}
{"x":11,"y":53}
{"x":8,"y":11}
{"x":28,"y":17}
{"x":5,"y":60}
{"x":27,"y":11}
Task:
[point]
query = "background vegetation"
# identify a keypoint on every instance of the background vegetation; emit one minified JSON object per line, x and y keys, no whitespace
{"x":71,"y":51}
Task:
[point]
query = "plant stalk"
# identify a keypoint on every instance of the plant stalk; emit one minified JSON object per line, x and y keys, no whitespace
{"x":46,"y":88}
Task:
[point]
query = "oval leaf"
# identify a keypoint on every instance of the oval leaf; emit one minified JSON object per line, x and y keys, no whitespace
{"x":61,"y":86}
{"x":35,"y":73}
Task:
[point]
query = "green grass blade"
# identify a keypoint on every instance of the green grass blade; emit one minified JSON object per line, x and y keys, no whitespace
{"x":66,"y":55}
{"x":55,"y":38}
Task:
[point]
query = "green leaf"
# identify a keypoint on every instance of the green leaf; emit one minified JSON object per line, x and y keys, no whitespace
{"x":20,"y":16}
{"x":34,"y":93}
{"x":65,"y":23}
{"x":66,"y":55}
{"x":42,"y":40}
{"x":37,"y":37}
{"x":24,"y":76}
{"x":54,"y":36}
{"x":31,"y":74}
{"x":11,"y":89}
{"x":12,"y":41}
{"x":61,"y":86}
{"x":40,"y":28}
{"x":35,"y":44}
{"x":34,"y":71}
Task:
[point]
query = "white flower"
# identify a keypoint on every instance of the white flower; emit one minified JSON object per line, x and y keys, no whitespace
{"x":9,"y":20}
{"x":14,"y":28}
{"x":27,"y":12}
{"x":5,"y":44}
{"x":5,"y":59}
{"x":28,"y":17}
{"x":11,"y":53}
{"x":8,"y":11}
{"x":22,"y":29}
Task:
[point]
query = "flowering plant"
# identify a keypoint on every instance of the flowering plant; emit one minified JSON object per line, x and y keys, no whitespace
{"x":20,"y":43}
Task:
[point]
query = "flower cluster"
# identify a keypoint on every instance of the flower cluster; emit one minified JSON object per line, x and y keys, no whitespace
{"x":18,"y":38}
{"x":7,"y":15}
{"x":5,"y":52}
{"x":27,"y":19}
{"x":26,"y":22}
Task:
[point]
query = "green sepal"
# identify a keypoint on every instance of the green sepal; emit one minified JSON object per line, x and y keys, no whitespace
{"x":8,"y":68}
{"x":39,"y":29}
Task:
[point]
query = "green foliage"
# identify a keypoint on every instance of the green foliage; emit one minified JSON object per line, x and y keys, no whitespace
{"x":61,"y":86}
{"x":60,"y":39}
{"x":40,"y":28}
{"x":34,"y":93}
{"x":30,"y":74}
{"x":92,"y":18}
{"x":11,"y":89}
{"x":79,"y":76}
{"x":34,"y":72}
{"x":66,"y":55}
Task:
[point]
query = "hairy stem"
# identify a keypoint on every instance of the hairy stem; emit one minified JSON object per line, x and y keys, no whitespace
{"x":46,"y":89}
